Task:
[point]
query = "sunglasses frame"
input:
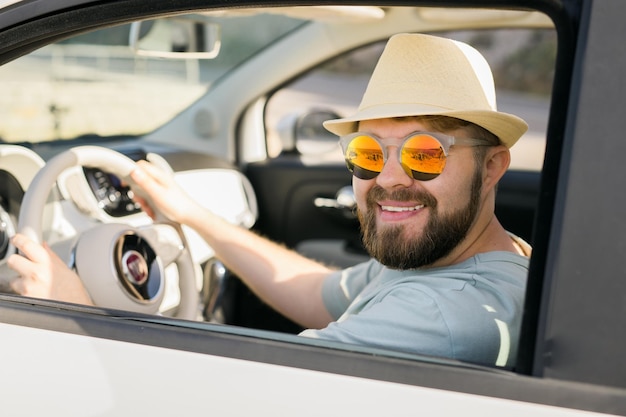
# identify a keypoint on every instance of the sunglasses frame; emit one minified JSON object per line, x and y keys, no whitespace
{"x":446,"y":141}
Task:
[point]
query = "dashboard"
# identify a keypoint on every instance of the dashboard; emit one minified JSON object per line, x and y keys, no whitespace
{"x":113,"y":197}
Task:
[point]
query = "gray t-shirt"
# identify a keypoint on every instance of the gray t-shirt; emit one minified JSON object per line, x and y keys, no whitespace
{"x":470,"y":311}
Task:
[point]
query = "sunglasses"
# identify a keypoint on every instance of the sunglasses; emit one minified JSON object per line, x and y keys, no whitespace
{"x":421,"y":154}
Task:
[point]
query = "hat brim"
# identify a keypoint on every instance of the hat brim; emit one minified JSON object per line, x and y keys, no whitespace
{"x":507,"y":127}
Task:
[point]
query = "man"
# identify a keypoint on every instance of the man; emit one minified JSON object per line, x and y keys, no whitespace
{"x":427,"y":149}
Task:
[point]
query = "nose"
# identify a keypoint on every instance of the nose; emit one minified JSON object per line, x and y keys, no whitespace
{"x":393,"y":174}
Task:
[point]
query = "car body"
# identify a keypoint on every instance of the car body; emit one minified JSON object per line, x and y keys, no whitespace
{"x":241,"y":131}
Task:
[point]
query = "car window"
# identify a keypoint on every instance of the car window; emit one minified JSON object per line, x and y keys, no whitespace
{"x":522,"y":62}
{"x":95,"y":85}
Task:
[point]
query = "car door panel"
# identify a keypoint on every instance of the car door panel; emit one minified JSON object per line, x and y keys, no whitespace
{"x":286,"y":191}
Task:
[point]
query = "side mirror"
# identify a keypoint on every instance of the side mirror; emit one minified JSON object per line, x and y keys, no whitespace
{"x":181,"y":37}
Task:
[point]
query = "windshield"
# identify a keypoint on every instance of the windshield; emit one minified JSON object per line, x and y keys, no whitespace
{"x":95,"y":85}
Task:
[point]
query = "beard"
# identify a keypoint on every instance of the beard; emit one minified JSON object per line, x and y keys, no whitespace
{"x":440,"y":236}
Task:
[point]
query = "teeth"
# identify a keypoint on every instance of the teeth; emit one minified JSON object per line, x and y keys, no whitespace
{"x":399,"y":209}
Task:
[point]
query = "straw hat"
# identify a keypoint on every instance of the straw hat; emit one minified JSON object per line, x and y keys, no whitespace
{"x":427,"y":75}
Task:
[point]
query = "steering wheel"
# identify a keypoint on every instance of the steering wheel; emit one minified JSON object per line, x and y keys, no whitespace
{"x":121,"y":266}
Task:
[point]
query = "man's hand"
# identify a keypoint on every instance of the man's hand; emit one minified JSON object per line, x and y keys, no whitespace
{"x":42,"y":274}
{"x":163,"y":192}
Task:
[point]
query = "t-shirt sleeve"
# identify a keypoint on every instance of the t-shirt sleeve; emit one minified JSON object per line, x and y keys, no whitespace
{"x":341,"y":287}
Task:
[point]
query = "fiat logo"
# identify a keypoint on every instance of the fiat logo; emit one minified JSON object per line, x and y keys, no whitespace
{"x":134,"y":267}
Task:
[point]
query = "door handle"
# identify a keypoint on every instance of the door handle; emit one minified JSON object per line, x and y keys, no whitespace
{"x":344,"y":202}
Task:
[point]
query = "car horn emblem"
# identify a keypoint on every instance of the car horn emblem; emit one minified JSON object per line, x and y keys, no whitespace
{"x":134,"y":267}
{"x":138,"y":267}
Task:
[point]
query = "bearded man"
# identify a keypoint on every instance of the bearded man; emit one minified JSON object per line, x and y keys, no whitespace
{"x":427,"y":148}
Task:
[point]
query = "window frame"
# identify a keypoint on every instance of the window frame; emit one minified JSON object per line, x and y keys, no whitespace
{"x":555,"y":270}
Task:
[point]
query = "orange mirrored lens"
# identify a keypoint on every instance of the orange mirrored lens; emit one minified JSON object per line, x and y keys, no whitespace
{"x":423,"y":154}
{"x":422,"y":157}
{"x":364,"y":153}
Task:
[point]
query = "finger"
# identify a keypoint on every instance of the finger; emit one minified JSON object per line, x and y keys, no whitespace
{"x":147,"y":185}
{"x":21,"y":265}
{"x":143,"y":190}
{"x":145,"y":206}
{"x":27,"y":287}
{"x":149,"y":170}
{"x":31,"y":249}
{"x":17,"y":286}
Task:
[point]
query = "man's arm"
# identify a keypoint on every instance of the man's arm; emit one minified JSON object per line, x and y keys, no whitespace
{"x":285,"y":280}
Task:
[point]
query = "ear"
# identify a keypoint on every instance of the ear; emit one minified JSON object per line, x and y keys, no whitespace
{"x":497,"y":160}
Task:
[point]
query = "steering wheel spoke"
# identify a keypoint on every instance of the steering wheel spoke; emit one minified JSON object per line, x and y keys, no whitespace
{"x":166,"y":239}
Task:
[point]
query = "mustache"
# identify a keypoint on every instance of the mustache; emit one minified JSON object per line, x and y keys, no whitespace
{"x":378,"y":193}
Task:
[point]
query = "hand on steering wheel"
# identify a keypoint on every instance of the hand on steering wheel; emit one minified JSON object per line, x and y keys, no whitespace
{"x":43,"y":274}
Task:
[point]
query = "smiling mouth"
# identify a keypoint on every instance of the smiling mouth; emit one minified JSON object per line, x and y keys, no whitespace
{"x":398,"y":209}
